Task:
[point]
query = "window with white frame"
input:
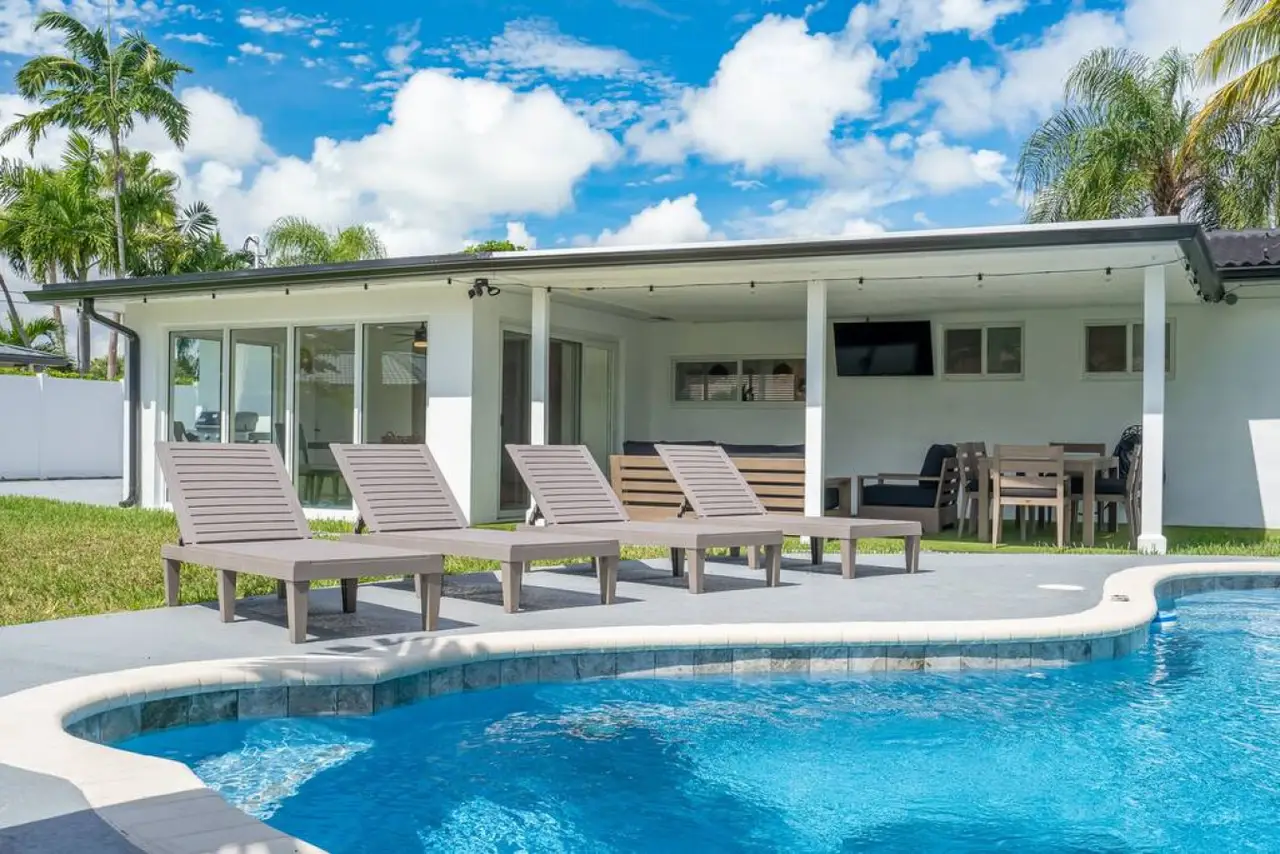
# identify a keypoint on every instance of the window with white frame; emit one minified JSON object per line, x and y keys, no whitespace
{"x":993,"y":350}
{"x":776,"y":380}
{"x":1116,"y":349}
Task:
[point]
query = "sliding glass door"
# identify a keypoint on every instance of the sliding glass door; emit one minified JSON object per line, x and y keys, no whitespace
{"x":195,"y":386}
{"x":324,"y":410}
{"x":579,"y":405}
{"x":258,"y":386}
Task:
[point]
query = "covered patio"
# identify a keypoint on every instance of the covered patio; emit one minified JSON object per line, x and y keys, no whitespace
{"x":1037,"y":335}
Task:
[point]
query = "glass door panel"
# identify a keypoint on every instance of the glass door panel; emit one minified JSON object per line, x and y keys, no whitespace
{"x":195,"y":386}
{"x":395,"y":383}
{"x":512,"y":495}
{"x":324,"y":410}
{"x":257,"y":386}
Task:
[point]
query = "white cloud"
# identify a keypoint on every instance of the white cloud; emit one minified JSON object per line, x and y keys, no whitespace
{"x":911,"y":20}
{"x":403,"y":49}
{"x":830,"y":213}
{"x":191,"y":38}
{"x":278,"y":21}
{"x":922,"y":218}
{"x":360,"y":60}
{"x":314,"y":42}
{"x":341,"y":83}
{"x":1026,"y":83}
{"x":943,"y":168}
{"x":250,"y":49}
{"x":17,"y":20}
{"x":507,"y":153}
{"x":518,"y":234}
{"x":773,"y":102}
{"x":743,"y":184}
{"x":669,"y":221}
{"x":537,"y":44}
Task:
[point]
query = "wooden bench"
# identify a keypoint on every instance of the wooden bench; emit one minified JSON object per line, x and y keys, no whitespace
{"x":649,"y":492}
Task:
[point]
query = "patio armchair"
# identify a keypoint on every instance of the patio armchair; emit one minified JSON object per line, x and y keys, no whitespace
{"x":1028,"y":476}
{"x":929,"y":497}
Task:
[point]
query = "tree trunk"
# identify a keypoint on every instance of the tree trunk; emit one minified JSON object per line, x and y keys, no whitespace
{"x":51,"y":277}
{"x":13,"y":313}
{"x":113,"y":342}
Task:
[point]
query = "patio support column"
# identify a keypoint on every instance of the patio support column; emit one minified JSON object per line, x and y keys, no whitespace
{"x":815,"y":359}
{"x":1151,"y":538}
{"x":539,"y":361}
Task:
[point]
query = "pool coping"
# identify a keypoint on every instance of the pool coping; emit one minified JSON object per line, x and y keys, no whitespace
{"x":161,"y":806}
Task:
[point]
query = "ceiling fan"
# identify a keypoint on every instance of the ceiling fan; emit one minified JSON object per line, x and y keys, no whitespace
{"x":418,"y":337}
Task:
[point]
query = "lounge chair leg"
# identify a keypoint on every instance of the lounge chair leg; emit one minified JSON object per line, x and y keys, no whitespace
{"x":912,"y":549}
{"x":1063,"y":522}
{"x":815,"y":550}
{"x":349,"y":587}
{"x":511,"y":572}
{"x":226,"y":595}
{"x":773,"y":567}
{"x":429,"y":604}
{"x":296,"y":606}
{"x":417,"y":586}
{"x":172,"y":581}
{"x":848,"y":557}
{"x":677,"y":562}
{"x":279,"y":589}
{"x":607,"y":572}
{"x":753,"y":557}
{"x":697,"y":561}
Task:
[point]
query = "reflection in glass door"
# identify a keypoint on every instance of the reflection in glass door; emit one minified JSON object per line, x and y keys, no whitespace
{"x":257,"y":386}
{"x":326,"y":396}
{"x":195,"y":386}
{"x":579,"y":405}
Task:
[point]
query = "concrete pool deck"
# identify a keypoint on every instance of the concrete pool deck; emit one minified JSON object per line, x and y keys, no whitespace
{"x":48,"y":813}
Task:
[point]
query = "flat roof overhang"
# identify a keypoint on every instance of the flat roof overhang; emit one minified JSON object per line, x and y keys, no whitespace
{"x":546,"y":267}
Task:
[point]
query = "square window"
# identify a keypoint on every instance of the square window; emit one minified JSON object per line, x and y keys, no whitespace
{"x":773,"y":379}
{"x":962,"y":352}
{"x":1107,"y":349}
{"x":707,"y":381}
{"x":1004,"y":350}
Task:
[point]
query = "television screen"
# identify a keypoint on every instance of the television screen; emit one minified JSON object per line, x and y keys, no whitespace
{"x":888,"y":349}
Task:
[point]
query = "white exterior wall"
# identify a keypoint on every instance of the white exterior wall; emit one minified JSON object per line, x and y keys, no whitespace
{"x":60,"y":428}
{"x":452,"y":355}
{"x":1222,"y":414}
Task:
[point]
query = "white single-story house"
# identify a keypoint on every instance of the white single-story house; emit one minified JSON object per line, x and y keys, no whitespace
{"x":1033,"y":333}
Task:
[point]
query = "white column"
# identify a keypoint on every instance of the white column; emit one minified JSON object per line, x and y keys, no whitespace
{"x":539,"y":360}
{"x":815,"y":356}
{"x":1151,"y":538}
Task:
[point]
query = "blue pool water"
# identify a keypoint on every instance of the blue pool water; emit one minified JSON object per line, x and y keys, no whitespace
{"x":1172,"y":749}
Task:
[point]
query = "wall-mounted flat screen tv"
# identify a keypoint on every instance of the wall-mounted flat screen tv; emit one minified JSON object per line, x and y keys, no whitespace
{"x":884,"y":349}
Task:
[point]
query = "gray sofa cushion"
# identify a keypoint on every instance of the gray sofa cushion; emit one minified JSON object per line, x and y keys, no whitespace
{"x":896,"y":495}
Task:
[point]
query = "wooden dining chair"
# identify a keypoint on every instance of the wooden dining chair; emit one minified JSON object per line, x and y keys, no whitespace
{"x":969,"y":455}
{"x":1115,"y":492}
{"x":1028,"y":476}
{"x":1097,"y":449}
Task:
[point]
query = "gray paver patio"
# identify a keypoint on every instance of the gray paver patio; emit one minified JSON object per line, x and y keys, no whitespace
{"x":40,"y":814}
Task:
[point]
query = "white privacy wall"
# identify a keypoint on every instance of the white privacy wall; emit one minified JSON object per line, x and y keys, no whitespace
{"x":1222,"y":416}
{"x":60,"y":428}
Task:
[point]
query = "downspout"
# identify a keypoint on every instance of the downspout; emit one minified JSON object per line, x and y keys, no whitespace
{"x":133,"y":397}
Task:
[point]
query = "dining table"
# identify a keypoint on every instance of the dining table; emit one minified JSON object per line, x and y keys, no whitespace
{"x":1086,"y":466}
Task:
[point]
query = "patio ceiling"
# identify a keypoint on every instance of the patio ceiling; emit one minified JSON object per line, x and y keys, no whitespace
{"x":898,"y":285}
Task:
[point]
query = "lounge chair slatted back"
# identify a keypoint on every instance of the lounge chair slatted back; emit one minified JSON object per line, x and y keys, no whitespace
{"x":226,"y":493}
{"x":710,"y":481}
{"x":566,"y":484}
{"x":399,"y":488}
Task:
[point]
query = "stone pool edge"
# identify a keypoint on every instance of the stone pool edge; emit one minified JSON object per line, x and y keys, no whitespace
{"x":161,"y":806}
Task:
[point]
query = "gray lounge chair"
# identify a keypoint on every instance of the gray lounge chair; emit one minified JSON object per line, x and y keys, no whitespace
{"x":571,"y":493}
{"x":238,"y":513}
{"x":405,"y":501}
{"x":715,"y":489}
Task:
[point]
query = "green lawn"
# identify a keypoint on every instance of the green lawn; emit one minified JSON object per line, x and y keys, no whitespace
{"x":62,"y":560}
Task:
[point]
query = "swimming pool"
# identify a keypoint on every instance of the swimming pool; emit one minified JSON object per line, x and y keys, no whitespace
{"x":1170,"y":749}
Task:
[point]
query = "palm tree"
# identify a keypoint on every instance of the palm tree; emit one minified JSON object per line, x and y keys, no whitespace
{"x":101,"y":89}
{"x":40,"y":334}
{"x":296,"y":241}
{"x":190,"y":244}
{"x":1247,"y":58}
{"x":1122,"y":146}
{"x":15,"y":322}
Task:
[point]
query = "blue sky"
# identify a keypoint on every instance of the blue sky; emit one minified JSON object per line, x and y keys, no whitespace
{"x":568,"y":122}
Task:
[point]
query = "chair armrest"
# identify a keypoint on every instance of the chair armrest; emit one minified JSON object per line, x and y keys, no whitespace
{"x":900,"y":476}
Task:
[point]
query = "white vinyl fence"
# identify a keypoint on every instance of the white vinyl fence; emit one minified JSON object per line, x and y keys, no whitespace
{"x":59,"y":428}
